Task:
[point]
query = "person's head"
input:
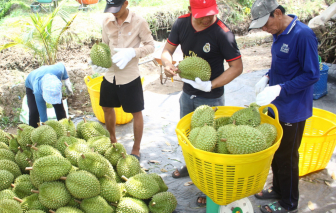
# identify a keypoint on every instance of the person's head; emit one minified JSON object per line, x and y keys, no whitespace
{"x":51,"y":89}
{"x":267,"y":15}
{"x":203,"y":11}
{"x":116,"y":7}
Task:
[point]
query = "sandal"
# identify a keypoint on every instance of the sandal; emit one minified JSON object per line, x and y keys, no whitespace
{"x":276,"y":208}
{"x":137,"y":157}
{"x":183,"y":172}
{"x":201,"y":196}
{"x":267,"y":194}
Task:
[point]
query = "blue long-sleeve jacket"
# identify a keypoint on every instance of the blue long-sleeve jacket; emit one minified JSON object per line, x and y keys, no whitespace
{"x":295,"y":68}
{"x":33,"y":82}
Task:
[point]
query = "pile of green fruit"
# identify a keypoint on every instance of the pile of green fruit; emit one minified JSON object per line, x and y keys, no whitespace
{"x":63,"y":168}
{"x":241,"y":133}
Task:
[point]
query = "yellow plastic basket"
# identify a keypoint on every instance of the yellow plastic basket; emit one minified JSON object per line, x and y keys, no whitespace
{"x":227,"y":177}
{"x":93,"y":86}
{"x":318,"y":141}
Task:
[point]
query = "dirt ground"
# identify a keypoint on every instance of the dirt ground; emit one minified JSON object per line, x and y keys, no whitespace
{"x":15,"y":65}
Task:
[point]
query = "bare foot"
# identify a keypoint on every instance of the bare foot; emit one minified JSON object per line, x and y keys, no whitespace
{"x":201,"y":200}
{"x":176,"y":173}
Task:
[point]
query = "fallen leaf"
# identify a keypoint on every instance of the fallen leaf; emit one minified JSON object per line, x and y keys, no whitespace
{"x":333,"y":176}
{"x":154,"y":161}
{"x":311,"y":205}
{"x":165,"y":150}
{"x":168,"y":144}
{"x":327,"y":183}
{"x":163,"y":170}
{"x":189,"y":183}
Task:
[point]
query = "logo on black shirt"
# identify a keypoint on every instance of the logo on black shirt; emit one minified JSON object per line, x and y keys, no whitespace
{"x":206,"y":48}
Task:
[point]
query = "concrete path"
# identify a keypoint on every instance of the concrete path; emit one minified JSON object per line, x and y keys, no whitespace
{"x":160,"y":152}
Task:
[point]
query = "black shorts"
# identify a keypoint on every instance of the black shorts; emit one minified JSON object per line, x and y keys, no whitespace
{"x":129,"y":96}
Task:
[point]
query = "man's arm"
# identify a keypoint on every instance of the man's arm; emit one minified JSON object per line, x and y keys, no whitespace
{"x":167,"y":60}
{"x":234,"y":70}
{"x":147,"y":40}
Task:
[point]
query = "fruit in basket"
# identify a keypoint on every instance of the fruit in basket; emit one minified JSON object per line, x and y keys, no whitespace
{"x":245,"y":140}
{"x":223,"y":133}
{"x":193,"y":135}
{"x":193,"y":67}
{"x":222,"y":121}
{"x":206,"y":139}
{"x":101,"y":55}
{"x":247,"y":116}
{"x":203,"y":114}
{"x":164,"y":202}
{"x":269,"y":131}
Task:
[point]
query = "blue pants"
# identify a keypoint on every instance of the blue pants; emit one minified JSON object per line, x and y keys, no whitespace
{"x":188,"y":103}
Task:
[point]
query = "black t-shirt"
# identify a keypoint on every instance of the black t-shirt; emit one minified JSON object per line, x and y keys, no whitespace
{"x":214,"y":44}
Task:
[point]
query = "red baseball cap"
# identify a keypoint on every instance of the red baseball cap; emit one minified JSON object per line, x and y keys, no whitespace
{"x":201,"y":8}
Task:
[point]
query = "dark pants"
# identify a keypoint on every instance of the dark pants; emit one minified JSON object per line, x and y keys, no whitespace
{"x":285,"y":165}
{"x":34,"y":116}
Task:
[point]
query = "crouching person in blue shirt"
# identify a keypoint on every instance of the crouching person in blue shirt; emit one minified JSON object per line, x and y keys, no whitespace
{"x":294,"y":70}
{"x":44,"y":85}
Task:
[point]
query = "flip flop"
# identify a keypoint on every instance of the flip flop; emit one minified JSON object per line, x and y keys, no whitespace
{"x":137,"y":157}
{"x":201,"y":204}
{"x":275,"y":207}
{"x":268,"y":194}
{"x":183,"y":172}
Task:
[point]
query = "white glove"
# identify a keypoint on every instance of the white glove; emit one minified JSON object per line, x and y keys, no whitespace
{"x":268,"y":95}
{"x":199,"y":84}
{"x":123,"y":56}
{"x":68,"y":86}
{"x":260,"y":86}
{"x":96,"y":68}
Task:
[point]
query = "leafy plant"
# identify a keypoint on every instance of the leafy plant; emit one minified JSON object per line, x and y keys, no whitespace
{"x":40,"y":36}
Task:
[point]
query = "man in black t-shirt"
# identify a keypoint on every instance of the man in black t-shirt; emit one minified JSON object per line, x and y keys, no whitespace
{"x":201,"y":33}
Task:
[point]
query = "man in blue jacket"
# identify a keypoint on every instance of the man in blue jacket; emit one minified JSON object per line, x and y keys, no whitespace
{"x":294,"y":70}
{"x":43,"y":86}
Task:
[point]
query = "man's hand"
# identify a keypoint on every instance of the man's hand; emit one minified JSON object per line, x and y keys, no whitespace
{"x":68,"y":86}
{"x":171,"y":70}
{"x":260,"y":86}
{"x":268,"y":95}
{"x":96,"y":68}
{"x":123,"y":56}
{"x":199,"y":84}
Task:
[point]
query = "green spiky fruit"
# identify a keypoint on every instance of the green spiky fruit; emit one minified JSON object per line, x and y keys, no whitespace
{"x":113,"y":154}
{"x":247,"y":116}
{"x":100,"y":144}
{"x":13,"y":144}
{"x":74,"y":151}
{"x":109,"y":189}
{"x":4,"y":137}
{"x":10,"y":206}
{"x":193,"y":135}
{"x":22,"y":157}
{"x":53,"y":195}
{"x":7,"y":194}
{"x":44,"y":135}
{"x":164,"y":202}
{"x":82,"y":184}
{"x":128,"y":166}
{"x":95,"y":204}
{"x":203,"y":114}
{"x":44,"y":150}
{"x":100,"y":55}
{"x":91,"y":129}
{"x":222,"y":121}
{"x":51,"y":167}
{"x":131,"y":205}
{"x":6,"y":154}
{"x":10,"y":166}
{"x":223,"y":133}
{"x":58,"y":127}
{"x":4,"y":146}
{"x":245,"y":139}
{"x":32,"y":202}
{"x":23,"y":186}
{"x":159,"y":181}
{"x":193,"y":67}
{"x":94,"y":163}
{"x":6,"y":178}
{"x":60,"y":143}
{"x":269,"y":131}
{"x":69,"y":209}
{"x":142,"y":186}
{"x":24,"y":136}
{"x":206,"y":139}
{"x":69,"y":126}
